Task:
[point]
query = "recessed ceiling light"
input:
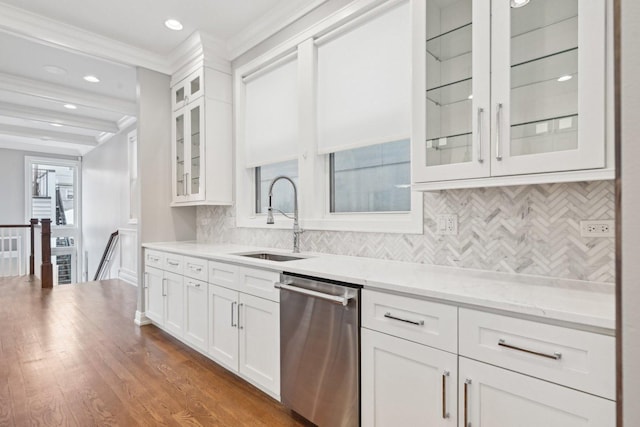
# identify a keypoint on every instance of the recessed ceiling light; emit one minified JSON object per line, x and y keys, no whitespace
{"x":70,"y":107}
{"x":91,"y":78}
{"x":519,"y":3}
{"x":173,"y":24}
{"x":54,"y":69}
{"x":58,"y":125}
{"x":565,"y":78}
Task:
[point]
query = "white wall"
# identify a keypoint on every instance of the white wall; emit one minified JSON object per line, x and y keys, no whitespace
{"x":105,"y":197}
{"x":12,"y":187}
{"x":630,"y":220}
{"x":158,"y":221}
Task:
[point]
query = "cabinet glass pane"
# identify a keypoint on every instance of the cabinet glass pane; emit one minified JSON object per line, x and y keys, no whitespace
{"x":195,"y":85}
{"x":180,"y":174}
{"x":449,"y":82}
{"x":195,"y":151}
{"x":544,"y":77}
{"x":179,"y":94}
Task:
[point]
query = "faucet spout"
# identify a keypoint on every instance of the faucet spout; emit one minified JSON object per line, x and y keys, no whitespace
{"x":296,"y":226}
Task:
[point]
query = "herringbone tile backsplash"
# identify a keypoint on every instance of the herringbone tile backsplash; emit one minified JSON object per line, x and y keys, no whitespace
{"x":532,"y":229}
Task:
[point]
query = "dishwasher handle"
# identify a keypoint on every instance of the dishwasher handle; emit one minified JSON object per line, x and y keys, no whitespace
{"x":344,"y":300}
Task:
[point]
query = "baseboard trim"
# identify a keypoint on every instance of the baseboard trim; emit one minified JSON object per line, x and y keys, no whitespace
{"x":131,"y":277}
{"x":141,"y":319}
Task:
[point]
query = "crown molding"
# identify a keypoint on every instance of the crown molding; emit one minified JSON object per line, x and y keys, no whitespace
{"x":63,"y":94}
{"x":125,"y":122}
{"x":269,"y":24}
{"x":47,"y":135}
{"x":50,"y":116}
{"x":45,"y":30}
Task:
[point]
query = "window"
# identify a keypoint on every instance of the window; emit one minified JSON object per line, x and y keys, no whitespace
{"x":372,"y":179}
{"x":282,"y":190}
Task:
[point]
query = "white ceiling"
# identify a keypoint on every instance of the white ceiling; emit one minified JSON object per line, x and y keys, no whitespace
{"x":97,"y":37}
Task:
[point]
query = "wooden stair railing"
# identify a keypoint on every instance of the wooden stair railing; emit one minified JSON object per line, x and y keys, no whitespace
{"x":46,"y":270}
{"x":15,"y":236}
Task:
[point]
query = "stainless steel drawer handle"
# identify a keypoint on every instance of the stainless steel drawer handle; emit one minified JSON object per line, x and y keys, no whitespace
{"x":467,"y":382}
{"x":195,"y":285}
{"x":154,"y":259}
{"x":554,"y":356}
{"x":344,"y":300}
{"x":498,"y":132}
{"x":195,"y":268}
{"x":239,"y":307}
{"x":233,"y":303}
{"x":479,"y":119}
{"x":175,"y":264}
{"x":445,"y":414}
{"x":413,"y":322}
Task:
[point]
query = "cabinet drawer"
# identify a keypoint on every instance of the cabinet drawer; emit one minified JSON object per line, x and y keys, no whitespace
{"x":195,"y":268}
{"x":153,"y":258}
{"x":259,"y":283}
{"x":222,"y":274}
{"x":173,"y":263}
{"x":577,"y":359}
{"x":425,"y":322}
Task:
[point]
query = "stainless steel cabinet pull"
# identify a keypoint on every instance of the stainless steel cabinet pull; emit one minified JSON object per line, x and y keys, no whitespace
{"x":480,"y":155}
{"x":184,"y":184}
{"x":413,"y":322}
{"x":554,"y":356}
{"x":195,"y":285}
{"x":467,"y":382}
{"x":344,"y":300}
{"x":195,"y":268}
{"x":239,"y":307}
{"x":164,"y":292}
{"x":187,"y":184}
{"x":146,"y":280}
{"x":498,"y":132}
{"x":233,"y":303}
{"x":445,"y":414}
{"x":174,"y":263}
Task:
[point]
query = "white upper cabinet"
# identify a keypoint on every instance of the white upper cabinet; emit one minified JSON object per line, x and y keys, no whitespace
{"x":201,"y":134}
{"x":505,"y":91}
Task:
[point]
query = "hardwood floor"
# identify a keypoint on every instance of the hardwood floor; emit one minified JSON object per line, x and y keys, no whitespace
{"x":73,"y":356}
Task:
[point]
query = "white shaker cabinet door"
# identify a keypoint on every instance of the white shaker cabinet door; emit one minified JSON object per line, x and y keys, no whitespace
{"x":259,"y":325}
{"x":174,"y":304}
{"x":154,"y":294}
{"x":406,"y":384}
{"x":195,"y":327}
{"x":491,"y":396}
{"x":223,"y":326}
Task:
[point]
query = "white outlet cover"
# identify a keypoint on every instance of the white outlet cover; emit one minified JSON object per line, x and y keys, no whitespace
{"x":447,"y":225}
{"x":598,"y":228}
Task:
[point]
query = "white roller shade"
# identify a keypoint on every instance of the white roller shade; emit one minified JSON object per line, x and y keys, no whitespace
{"x":364,"y":83}
{"x":271,"y":114}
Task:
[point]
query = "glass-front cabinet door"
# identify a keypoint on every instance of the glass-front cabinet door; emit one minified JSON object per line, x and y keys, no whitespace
{"x":454,"y":143}
{"x":188,"y":150}
{"x":548,"y":82}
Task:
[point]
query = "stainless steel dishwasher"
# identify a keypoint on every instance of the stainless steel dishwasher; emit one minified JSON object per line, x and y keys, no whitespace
{"x":320,"y":349}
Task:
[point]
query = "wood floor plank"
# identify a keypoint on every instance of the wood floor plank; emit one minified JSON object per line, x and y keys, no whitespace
{"x":73,"y":356}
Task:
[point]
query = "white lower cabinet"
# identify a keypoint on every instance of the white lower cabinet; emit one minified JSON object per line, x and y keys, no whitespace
{"x":244,"y":336}
{"x":174,"y":303}
{"x":406,"y":384}
{"x":154,"y":294}
{"x":223,"y":326}
{"x":195,"y":318}
{"x":491,"y":396}
{"x":259,"y":325}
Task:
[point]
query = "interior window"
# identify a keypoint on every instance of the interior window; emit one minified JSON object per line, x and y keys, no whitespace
{"x":282,"y":191}
{"x":372,"y":179}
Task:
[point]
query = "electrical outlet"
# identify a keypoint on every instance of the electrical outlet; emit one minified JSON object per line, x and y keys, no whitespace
{"x":447,"y":225}
{"x":595,"y":228}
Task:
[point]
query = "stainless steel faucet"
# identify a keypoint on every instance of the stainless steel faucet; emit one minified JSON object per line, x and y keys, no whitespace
{"x":296,"y":226}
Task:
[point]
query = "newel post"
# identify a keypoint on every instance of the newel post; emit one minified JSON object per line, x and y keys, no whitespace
{"x":32,"y":259}
{"x":47,"y":268}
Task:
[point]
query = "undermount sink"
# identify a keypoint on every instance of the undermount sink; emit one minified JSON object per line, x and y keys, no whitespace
{"x":272,"y":256}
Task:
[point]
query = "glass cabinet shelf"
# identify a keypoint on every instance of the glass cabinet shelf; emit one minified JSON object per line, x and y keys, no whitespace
{"x":452,"y":44}
{"x":450,"y":93}
{"x":543,"y":136}
{"x":549,"y":67}
{"x":448,"y":150}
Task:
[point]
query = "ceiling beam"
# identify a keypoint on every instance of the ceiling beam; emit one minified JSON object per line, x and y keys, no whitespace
{"x":47,"y":135}
{"x":63,"y":94}
{"x":50,"y":116}
{"x":54,"y":33}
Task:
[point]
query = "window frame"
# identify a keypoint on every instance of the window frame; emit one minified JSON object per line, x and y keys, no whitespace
{"x":314,"y":198}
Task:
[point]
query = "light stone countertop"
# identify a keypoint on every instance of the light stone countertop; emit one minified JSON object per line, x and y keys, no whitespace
{"x":588,"y":304}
